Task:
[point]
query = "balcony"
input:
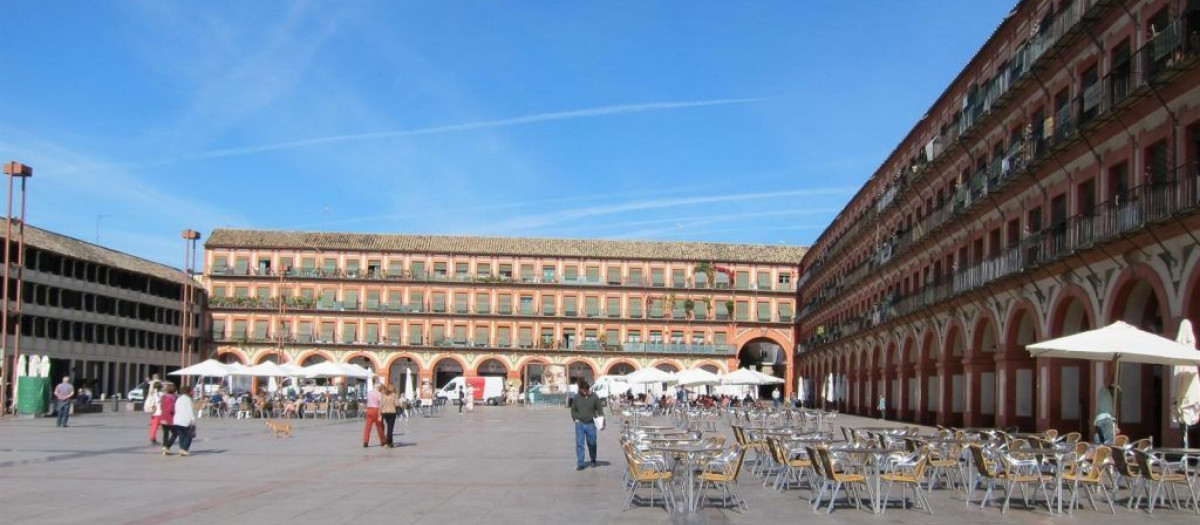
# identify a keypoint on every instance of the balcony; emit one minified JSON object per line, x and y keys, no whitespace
{"x":672,"y":348}
{"x":1174,"y":194}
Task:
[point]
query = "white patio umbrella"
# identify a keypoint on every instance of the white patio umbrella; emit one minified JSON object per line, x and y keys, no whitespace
{"x":325,"y":369}
{"x":293,"y":370}
{"x":207,"y":368}
{"x":650,"y":375}
{"x":697,"y":377}
{"x":742,"y":376}
{"x":267,"y":369}
{"x":408,"y":384}
{"x":767,"y":379}
{"x":358,"y":371}
{"x":1187,"y":393}
{"x":1118,"y":343}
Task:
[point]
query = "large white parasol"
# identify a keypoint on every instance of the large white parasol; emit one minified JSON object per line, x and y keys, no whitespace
{"x":408,"y":384}
{"x":697,"y":377}
{"x":207,"y":368}
{"x":326,"y":369}
{"x":650,"y":375}
{"x":1118,"y":343}
{"x":1187,"y":394}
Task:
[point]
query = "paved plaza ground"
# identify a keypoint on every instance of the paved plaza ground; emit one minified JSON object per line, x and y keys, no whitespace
{"x":498,"y":465}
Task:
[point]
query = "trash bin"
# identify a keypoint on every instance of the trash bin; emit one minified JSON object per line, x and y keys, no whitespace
{"x":33,"y":394}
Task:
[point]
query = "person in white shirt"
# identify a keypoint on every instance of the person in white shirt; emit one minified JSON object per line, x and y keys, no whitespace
{"x":183,"y":425}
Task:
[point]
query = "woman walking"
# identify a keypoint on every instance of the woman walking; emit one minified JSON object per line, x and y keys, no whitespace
{"x":182,"y":424}
{"x":166,"y":418}
{"x":387,"y":408}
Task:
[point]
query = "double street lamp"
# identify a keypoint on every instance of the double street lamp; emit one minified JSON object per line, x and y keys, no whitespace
{"x":13,"y":170}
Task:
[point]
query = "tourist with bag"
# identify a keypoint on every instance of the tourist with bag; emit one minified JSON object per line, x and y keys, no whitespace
{"x":183,"y":424}
{"x":150,"y":406}
{"x":585,"y":409}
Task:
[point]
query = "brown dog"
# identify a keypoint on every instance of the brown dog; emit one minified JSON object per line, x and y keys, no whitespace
{"x":279,"y":428}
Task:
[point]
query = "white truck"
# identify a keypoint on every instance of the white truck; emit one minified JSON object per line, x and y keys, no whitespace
{"x":488,"y":390}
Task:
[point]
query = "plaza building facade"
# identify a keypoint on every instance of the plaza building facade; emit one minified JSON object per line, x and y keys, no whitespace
{"x":105,"y":318}
{"x":1051,"y":189}
{"x":444,"y":306}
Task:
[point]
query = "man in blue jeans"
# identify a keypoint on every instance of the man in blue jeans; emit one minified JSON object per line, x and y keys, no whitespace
{"x":585,"y":408}
{"x":62,"y":394}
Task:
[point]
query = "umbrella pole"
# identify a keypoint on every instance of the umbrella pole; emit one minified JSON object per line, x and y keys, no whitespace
{"x":1115,"y":386}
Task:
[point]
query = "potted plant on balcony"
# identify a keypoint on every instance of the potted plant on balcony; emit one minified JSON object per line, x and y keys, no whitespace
{"x":709,"y":271}
{"x":689,"y":306}
{"x":729,"y":308}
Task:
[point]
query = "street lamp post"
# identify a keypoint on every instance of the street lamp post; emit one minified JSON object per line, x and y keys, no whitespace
{"x":12,"y":170}
{"x":189,"y":290}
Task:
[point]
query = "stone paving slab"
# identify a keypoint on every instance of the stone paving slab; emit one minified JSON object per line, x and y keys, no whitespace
{"x":497,"y":465}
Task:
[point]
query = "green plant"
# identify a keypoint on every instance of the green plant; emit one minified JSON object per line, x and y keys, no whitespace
{"x":709,"y":270}
{"x":729,"y":307}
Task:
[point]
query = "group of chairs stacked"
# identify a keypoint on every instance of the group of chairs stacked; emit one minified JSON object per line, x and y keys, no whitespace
{"x":681,"y":468}
{"x":864,"y":461}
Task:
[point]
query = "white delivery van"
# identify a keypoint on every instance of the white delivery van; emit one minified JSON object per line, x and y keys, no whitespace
{"x":488,"y":390}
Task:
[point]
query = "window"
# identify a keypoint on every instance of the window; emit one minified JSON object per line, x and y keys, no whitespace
{"x":656,"y":308}
{"x":460,"y":303}
{"x":372,"y":333}
{"x":527,"y":273}
{"x":239,"y":329}
{"x":416,"y":300}
{"x":764,"y":311}
{"x":785,"y":279}
{"x":635,"y":277}
{"x":439,"y":269}
{"x":592,"y":306}
{"x":481,"y":336}
{"x":241,"y":291}
{"x":220,"y":263}
{"x":764,"y":280}
{"x":414,"y":334}
{"x":218,"y":329}
{"x":462,"y":269}
{"x":330,"y":266}
{"x":373,"y":299}
{"x":504,"y":337}
{"x":308,"y":263}
{"x":635,"y":307}
{"x":326,"y":332}
{"x":525,"y":337}
{"x":593,"y":274}
{"x":720,"y":338}
{"x":742,"y":281}
{"x":614,"y":275}
{"x":460,"y":334}
{"x":393,"y":334}
{"x":526,"y":305}
{"x":437,"y":334}
{"x":571,"y":273}
{"x":701,"y":309}
{"x":742,"y":311}
{"x":352,"y":267}
{"x":547,"y":305}
{"x":483,"y":269}
{"x":395,"y":300}
{"x":612,"y":305}
{"x":219,"y":292}
{"x":395,"y":268}
{"x":418,"y":269}
{"x":242,"y":265}
{"x":656,"y":277}
{"x":678,"y":279}
{"x":483,"y":303}
{"x":439,"y":302}
{"x":548,"y":274}
{"x":570,"y":306}
{"x":351,"y":300}
{"x":785,"y":312}
{"x":349,"y":333}
{"x":506,"y":271}
{"x":505,"y":304}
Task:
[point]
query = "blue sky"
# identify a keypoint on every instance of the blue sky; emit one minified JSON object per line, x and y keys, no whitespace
{"x":708,"y":120}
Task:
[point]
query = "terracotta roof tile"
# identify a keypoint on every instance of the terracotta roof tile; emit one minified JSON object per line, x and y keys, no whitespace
{"x":510,"y":246}
{"x":72,"y":247}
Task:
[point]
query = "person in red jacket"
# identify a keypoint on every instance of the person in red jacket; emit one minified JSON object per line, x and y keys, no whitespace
{"x":167,"y":418}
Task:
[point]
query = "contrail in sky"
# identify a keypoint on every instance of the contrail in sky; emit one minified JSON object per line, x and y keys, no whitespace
{"x":471,"y":126}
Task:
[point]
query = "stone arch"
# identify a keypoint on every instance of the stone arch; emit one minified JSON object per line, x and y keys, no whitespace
{"x":228,"y":355}
{"x":666,"y":365}
{"x":1137,"y":296}
{"x":706,"y":363}
{"x":1022,"y":311}
{"x":442,"y":371}
{"x":581,"y":368}
{"x":612,"y":368}
{"x":279,"y":357}
{"x":954,"y":342}
{"x":492,"y":366}
{"x":396,"y":365}
{"x":370,"y":358}
{"x":313,"y":357}
{"x":985,"y":339}
{"x":1072,"y":312}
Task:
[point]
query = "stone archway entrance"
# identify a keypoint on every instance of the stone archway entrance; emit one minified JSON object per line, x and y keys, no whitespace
{"x":400,"y":367}
{"x":444,"y":370}
{"x":766,"y":356}
{"x":491,"y":368}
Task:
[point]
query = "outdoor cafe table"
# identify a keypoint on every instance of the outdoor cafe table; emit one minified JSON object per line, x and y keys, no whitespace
{"x":688,"y":453}
{"x":878,"y":456}
{"x":1060,"y":452}
{"x":1160,"y":452}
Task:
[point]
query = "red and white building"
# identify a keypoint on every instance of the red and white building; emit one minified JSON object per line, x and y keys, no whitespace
{"x":1052,"y":188}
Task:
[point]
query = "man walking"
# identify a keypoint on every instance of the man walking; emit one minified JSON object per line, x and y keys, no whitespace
{"x":882,"y":406}
{"x":775,"y":398}
{"x":63,"y":393}
{"x":584,"y":410}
